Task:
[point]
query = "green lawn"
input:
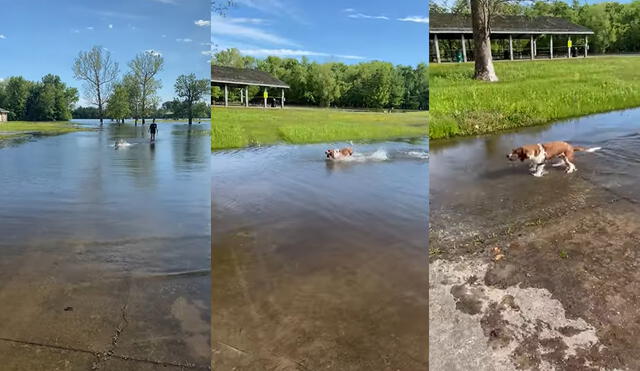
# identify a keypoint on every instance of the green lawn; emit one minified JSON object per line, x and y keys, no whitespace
{"x":240,"y":127}
{"x":13,"y":129}
{"x":529,"y":93}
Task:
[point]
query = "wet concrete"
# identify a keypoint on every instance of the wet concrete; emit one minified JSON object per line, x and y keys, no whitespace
{"x":536,"y":273}
{"x":316,"y":264}
{"x":105,"y":253}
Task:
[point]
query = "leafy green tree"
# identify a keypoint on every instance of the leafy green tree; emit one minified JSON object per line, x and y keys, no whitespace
{"x":17,"y":91}
{"x":134,"y":96}
{"x":98,"y":71}
{"x":144,"y":68}
{"x":191,"y":90}
{"x":118,"y":107}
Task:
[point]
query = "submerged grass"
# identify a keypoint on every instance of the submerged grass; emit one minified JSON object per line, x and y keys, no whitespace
{"x":14,"y":129}
{"x":241,"y":127}
{"x":529,"y":93}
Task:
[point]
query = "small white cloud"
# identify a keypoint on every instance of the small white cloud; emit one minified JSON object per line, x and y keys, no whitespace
{"x":153,"y":52}
{"x":294,"y":53}
{"x":187,"y":40}
{"x":226,"y":27}
{"x":75,"y":30}
{"x":207,"y":52}
{"x":348,"y":10}
{"x":247,"y":20}
{"x":173,"y":2}
{"x":206,"y":44}
{"x":366,"y":16}
{"x":90,"y":28}
{"x":2,"y":36}
{"x":163,"y":36}
{"x":202,"y":23}
{"x":416,"y":19}
{"x":110,"y":25}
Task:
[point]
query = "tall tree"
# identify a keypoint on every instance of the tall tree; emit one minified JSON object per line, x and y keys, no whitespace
{"x":481,"y":24}
{"x":118,"y":107}
{"x":96,"y":68}
{"x":191,"y":90}
{"x":17,"y":93}
{"x":133,"y":96}
{"x":144,"y":68}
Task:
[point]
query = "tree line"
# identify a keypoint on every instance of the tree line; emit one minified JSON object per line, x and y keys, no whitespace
{"x":616,"y":26}
{"x":364,"y":85}
{"x":46,"y":100}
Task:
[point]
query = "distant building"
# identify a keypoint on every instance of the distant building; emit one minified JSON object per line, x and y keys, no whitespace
{"x":4,"y":115}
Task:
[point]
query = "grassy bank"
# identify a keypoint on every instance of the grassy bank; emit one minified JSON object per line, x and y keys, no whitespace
{"x":14,"y":129}
{"x":529,"y":93}
{"x":241,"y":127}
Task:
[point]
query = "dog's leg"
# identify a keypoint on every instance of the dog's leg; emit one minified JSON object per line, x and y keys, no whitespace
{"x":539,"y":170}
{"x":571,"y":167}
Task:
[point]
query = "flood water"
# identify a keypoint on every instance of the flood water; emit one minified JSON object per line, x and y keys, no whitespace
{"x":473,"y":186}
{"x":97,"y":228}
{"x":319,"y":263}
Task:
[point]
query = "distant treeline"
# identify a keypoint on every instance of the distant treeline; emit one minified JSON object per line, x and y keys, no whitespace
{"x":174,"y":109}
{"x":616,"y":25}
{"x":334,"y":84}
{"x":46,"y":100}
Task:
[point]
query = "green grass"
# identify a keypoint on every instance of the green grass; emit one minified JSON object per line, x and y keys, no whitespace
{"x":13,"y":129}
{"x":241,"y":127}
{"x":529,"y":93}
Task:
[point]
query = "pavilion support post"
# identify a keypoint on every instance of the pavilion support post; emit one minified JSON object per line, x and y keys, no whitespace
{"x":246,"y":93}
{"x":464,"y":49}
{"x":510,"y":47}
{"x":569,"y":48}
{"x":435,"y":42}
{"x":586,"y":45}
{"x":241,"y":96}
{"x":550,"y":46}
{"x":265,"y":98}
{"x":532,"y":47}
{"x":282,"y":99}
{"x":226,"y":95}
{"x":535,"y":47}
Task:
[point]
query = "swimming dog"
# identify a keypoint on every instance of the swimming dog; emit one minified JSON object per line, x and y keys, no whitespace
{"x":334,"y":154}
{"x":539,"y":153}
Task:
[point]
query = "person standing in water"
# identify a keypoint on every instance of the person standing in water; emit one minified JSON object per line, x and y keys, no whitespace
{"x":153,"y":129}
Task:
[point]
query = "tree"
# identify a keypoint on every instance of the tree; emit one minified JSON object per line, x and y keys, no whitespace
{"x":98,"y":71}
{"x":118,"y":107}
{"x":17,"y":93}
{"x":191,"y":90}
{"x":144,"y":67}
{"x":133,"y":96}
{"x":481,"y":24}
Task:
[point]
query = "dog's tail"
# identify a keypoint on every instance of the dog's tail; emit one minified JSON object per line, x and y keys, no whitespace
{"x":585,"y":149}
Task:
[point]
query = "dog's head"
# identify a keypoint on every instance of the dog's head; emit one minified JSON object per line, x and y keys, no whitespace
{"x":517,"y":154}
{"x":331,"y":153}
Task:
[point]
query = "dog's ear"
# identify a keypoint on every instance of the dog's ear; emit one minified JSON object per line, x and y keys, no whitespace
{"x":521,"y":153}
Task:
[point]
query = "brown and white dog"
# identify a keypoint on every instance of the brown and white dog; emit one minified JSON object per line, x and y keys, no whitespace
{"x":539,"y":153}
{"x":334,"y":154}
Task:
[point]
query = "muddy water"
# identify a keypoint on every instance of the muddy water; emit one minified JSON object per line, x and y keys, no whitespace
{"x":97,"y":238}
{"x":320,"y":264}
{"x":567,"y":244}
{"x":474,"y":187}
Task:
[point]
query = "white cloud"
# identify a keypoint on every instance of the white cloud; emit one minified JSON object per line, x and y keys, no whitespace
{"x":2,"y":36}
{"x":173,"y":2}
{"x":75,"y":30}
{"x":110,"y":25}
{"x":247,"y":20}
{"x":202,"y":23}
{"x":416,"y":19}
{"x":207,"y":52}
{"x":348,"y":10}
{"x":275,"y":7}
{"x":226,"y":26}
{"x":153,"y":52}
{"x":294,"y":53}
{"x":365,"y":16}
{"x":207,"y":44}
{"x":187,"y":40}
{"x":90,"y":28}
{"x":163,"y":36}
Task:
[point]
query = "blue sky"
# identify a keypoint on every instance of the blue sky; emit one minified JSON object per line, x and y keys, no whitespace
{"x":44,"y":36}
{"x":348,"y":31}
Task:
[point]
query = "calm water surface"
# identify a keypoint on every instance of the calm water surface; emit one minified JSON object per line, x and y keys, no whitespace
{"x":317,"y":262}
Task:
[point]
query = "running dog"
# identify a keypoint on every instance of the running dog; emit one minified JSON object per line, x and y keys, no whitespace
{"x":335,"y":154}
{"x":539,"y":153}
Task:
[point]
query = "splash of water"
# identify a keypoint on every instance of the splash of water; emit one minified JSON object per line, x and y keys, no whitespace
{"x":418,"y":154}
{"x":378,"y":155}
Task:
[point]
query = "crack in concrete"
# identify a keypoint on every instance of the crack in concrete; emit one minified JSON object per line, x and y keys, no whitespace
{"x":107,"y":354}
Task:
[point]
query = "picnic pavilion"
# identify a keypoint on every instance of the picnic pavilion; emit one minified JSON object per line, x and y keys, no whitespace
{"x":512,"y":37}
{"x":231,"y":77}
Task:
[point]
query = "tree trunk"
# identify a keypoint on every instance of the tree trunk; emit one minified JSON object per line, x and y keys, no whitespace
{"x":480,"y":19}
{"x":190,"y":112}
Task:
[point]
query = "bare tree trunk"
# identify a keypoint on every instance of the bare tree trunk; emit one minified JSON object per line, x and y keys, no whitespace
{"x":480,"y":18}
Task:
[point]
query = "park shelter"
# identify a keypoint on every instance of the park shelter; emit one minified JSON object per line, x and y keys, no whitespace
{"x":242,"y":78}
{"x":451,"y":37}
{"x":4,"y":115}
